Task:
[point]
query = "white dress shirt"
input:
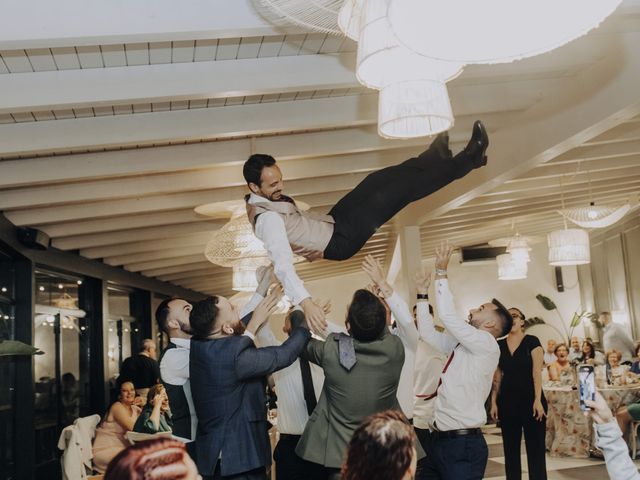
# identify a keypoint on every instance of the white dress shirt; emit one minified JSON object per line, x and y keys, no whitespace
{"x":549,"y":358}
{"x":408,"y":334}
{"x":467,"y":381}
{"x":271,"y":230}
{"x":616,"y":337}
{"x":292,"y":407}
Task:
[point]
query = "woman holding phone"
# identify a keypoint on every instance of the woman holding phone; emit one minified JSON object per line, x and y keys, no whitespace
{"x":517,"y":400}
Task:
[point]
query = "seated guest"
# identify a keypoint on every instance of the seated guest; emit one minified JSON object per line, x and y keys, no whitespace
{"x":575,"y":352}
{"x":561,"y":369}
{"x":228,"y":383}
{"x":635,"y":366}
{"x":110,"y":435}
{"x":618,"y":374}
{"x":160,"y":458}
{"x":155,"y":416}
{"x":590,"y":355}
{"x":384,"y":446}
{"x":549,"y":355}
{"x":609,"y":440}
{"x":361,"y":372}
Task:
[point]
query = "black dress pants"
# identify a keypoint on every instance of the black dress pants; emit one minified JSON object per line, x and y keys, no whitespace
{"x":384,"y":193}
{"x":257,"y":474}
{"x":289,"y":466}
{"x":423,"y":437}
{"x":457,"y":458}
{"x":534,"y":435}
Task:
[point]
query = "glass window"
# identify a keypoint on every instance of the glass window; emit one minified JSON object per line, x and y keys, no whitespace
{"x":7,"y":370}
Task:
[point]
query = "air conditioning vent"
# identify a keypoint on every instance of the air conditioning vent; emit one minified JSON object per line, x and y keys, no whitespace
{"x":481,"y":253}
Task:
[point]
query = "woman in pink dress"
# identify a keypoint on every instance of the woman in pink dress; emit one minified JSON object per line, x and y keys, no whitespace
{"x":110,"y":434}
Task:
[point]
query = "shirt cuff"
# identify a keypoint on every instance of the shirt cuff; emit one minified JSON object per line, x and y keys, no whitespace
{"x":247,"y":333}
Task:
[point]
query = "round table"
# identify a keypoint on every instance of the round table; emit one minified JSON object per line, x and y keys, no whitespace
{"x":569,"y":431}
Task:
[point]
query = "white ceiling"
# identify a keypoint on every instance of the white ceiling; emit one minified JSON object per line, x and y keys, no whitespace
{"x":113,"y":130}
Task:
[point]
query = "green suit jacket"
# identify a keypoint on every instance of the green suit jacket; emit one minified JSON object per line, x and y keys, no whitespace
{"x":349,"y":396}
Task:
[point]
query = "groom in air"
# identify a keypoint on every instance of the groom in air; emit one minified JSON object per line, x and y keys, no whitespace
{"x":286,"y":230}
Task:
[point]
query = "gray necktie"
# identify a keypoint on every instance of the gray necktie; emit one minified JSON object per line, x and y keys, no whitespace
{"x":346,"y":350}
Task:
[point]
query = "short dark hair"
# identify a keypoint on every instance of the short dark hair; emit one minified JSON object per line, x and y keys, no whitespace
{"x":381,"y":447}
{"x":203,"y":317}
{"x":505,"y":316}
{"x":162,"y":313}
{"x":366,"y":316}
{"x":519,"y":312}
{"x":252,"y":169}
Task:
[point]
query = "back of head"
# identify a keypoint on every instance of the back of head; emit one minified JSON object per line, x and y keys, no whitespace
{"x":381,"y":447}
{"x":252,"y":168}
{"x":366,"y":316}
{"x":148,"y":345}
{"x":203,"y":317}
{"x":162,"y":314}
{"x":158,"y":459}
{"x":505,"y":320}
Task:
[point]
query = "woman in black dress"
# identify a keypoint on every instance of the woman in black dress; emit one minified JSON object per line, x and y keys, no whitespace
{"x":517,"y":400}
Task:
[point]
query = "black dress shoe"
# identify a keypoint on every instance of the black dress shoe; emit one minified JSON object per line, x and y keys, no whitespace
{"x":478,"y":144}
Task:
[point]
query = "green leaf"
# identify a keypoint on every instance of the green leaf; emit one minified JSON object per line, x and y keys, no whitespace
{"x":546,"y":302}
{"x":530,"y":322}
{"x":575,"y":321}
{"x":12,"y":347}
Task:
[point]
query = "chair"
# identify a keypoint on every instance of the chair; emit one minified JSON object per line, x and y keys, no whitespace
{"x":633,"y":438}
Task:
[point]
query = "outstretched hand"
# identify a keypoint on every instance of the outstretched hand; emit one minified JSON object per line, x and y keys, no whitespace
{"x":372,"y":267}
{"x":315,"y":316}
{"x":443,"y":255}
{"x":265,"y":309}
{"x":422,"y":279}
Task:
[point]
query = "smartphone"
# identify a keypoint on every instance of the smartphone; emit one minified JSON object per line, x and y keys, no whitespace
{"x":587,"y":379}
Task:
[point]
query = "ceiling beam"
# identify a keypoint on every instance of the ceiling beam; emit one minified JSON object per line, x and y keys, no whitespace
{"x":206,"y":179}
{"x":246,"y":120}
{"x":43,"y":24}
{"x":96,"y":87}
{"x":579,"y":108}
{"x":147,"y":246}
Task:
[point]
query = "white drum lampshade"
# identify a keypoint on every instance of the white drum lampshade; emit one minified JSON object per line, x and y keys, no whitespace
{"x":569,"y":247}
{"x":382,"y":60}
{"x":508,"y":269}
{"x":244,"y":278}
{"x":492,"y":31}
{"x":519,"y":248}
{"x":414,"y":108}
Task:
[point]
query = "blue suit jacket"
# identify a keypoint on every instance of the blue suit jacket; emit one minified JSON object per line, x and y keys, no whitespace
{"x":228,"y":389}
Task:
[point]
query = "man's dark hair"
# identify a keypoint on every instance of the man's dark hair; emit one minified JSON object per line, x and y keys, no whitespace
{"x":162,"y":313}
{"x":203,"y":317}
{"x":252,"y":169}
{"x":366,"y":316}
{"x":505,"y":316}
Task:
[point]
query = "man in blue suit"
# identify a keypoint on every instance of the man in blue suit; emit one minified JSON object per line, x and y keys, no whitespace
{"x":228,"y":378}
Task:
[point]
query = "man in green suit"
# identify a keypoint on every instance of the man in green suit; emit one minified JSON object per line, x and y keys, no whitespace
{"x":361,"y":371}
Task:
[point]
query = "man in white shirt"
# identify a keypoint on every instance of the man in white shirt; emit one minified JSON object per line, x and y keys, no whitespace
{"x":575,"y":352}
{"x":456,"y":448}
{"x":298,"y":388}
{"x":615,"y":337}
{"x":285,"y":230}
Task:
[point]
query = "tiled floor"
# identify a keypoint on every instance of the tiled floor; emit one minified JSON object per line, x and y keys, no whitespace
{"x":557,"y":468}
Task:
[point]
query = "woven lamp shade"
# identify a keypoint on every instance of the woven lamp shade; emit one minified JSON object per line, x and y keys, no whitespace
{"x":509,"y":269}
{"x":569,"y":247}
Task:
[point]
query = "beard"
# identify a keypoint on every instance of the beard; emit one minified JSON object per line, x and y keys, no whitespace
{"x":275,"y":195}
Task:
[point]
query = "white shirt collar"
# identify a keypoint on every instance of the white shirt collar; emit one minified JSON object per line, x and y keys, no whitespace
{"x":253,"y":198}
{"x":181,"y":342}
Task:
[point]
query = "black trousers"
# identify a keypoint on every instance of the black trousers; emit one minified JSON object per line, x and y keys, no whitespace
{"x":534,"y":434}
{"x":423,"y":437}
{"x":384,"y":193}
{"x":289,"y":466}
{"x":455,"y":458}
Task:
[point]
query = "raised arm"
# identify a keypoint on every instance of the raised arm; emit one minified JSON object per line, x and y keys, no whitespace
{"x":406,"y":329}
{"x":470,"y":337}
{"x":426,"y":328}
{"x":271,"y":230}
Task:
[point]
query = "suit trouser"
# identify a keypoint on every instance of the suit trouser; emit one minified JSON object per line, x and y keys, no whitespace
{"x":384,"y":193}
{"x":289,"y":466}
{"x":457,"y":458}
{"x":534,"y":437}
{"x":422,"y":434}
